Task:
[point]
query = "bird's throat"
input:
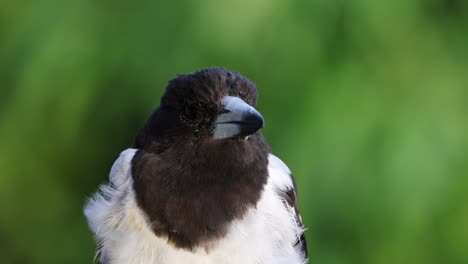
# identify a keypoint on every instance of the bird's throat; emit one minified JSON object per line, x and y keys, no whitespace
{"x":192,"y":197}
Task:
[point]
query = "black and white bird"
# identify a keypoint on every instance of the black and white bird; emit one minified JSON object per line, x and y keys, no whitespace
{"x":200,"y":184}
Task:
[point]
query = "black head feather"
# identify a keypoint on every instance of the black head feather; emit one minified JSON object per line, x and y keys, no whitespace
{"x":191,"y":104}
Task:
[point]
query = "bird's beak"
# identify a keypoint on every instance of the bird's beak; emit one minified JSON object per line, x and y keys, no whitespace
{"x":237,"y":119}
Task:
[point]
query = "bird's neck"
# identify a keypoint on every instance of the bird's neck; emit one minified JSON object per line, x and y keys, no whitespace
{"x":192,"y":196}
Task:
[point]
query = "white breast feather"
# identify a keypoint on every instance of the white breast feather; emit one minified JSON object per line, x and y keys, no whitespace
{"x":265,"y":235}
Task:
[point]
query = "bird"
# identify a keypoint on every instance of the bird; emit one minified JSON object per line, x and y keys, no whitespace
{"x":199,"y":184}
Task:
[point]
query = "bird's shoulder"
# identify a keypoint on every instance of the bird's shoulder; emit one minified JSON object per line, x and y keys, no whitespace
{"x":121,"y":169}
{"x":284,"y":184}
{"x":280,"y":175}
{"x":100,"y":206}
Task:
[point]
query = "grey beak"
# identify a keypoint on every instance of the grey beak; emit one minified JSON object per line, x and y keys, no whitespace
{"x":238,"y":119}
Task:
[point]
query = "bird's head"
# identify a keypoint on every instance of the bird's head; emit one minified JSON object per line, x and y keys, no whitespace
{"x":210,"y":105}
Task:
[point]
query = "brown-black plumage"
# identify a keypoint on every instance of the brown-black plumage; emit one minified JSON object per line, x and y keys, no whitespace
{"x":189,"y":184}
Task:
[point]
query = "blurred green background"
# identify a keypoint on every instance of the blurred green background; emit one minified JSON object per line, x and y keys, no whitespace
{"x":366,"y":101}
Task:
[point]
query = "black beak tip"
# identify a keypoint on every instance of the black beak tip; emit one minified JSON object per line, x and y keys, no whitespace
{"x":259,"y":121}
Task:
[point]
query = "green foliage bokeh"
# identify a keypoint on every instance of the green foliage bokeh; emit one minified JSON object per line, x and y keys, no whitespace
{"x":366,"y":101}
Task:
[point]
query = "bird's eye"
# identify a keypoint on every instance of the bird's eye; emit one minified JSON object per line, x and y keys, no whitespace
{"x":190,"y":112}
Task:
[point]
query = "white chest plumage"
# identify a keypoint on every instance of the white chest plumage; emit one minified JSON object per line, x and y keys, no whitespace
{"x":267,"y":234}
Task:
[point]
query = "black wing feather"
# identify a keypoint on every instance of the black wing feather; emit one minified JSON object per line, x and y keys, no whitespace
{"x":290,"y":197}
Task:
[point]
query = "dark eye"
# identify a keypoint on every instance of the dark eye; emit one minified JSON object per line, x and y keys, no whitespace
{"x":190,"y":112}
